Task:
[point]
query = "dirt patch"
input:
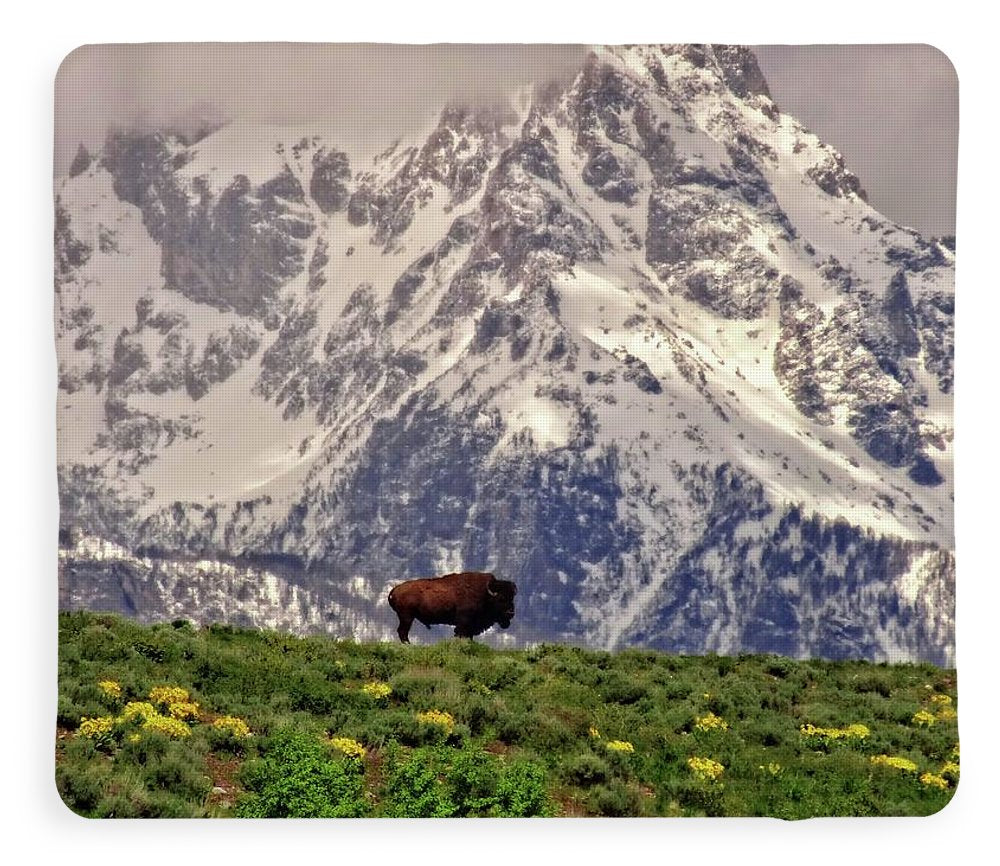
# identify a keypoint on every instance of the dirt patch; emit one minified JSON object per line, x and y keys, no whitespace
{"x":225,"y":788}
{"x":374,"y":770}
{"x":568,"y":805}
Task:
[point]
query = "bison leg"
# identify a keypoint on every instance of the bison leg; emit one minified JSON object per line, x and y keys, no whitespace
{"x":404,"y":628}
{"x":464,"y":628}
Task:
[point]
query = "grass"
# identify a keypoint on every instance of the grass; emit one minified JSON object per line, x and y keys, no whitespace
{"x":465,"y":730}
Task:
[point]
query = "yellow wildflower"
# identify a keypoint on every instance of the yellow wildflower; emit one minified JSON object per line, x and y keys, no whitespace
{"x":439,"y":718}
{"x":898,"y":763}
{"x":138,"y":709}
{"x":110,"y":688}
{"x":96,"y":727}
{"x":773,"y":768}
{"x":851,"y":732}
{"x":941,"y":699}
{"x":377,"y":690}
{"x":711,"y":722}
{"x":705,"y":768}
{"x":134,"y":738}
{"x":923,"y":718}
{"x":167,"y":695}
{"x":233,"y":725}
{"x":351,"y":748}
{"x":173,"y":728}
{"x":620,"y":746}
{"x":947,"y":714}
{"x":594,"y":733}
{"x":950,"y":770}
{"x":933,"y":781}
{"x":183,"y":710}
{"x":954,"y":752}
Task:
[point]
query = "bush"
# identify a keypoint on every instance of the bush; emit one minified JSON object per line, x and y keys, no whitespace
{"x":297,"y":778}
{"x":521,"y":792}
{"x":175,"y":775}
{"x":413,"y":789}
{"x":82,"y":789}
{"x":620,"y":689}
{"x":143,"y":749}
{"x":585,"y":770}
{"x":615,"y":800}
{"x":472,"y":778}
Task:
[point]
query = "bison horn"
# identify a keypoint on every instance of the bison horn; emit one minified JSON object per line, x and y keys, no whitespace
{"x":491,"y":591}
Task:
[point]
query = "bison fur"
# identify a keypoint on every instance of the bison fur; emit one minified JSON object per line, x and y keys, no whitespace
{"x":472,"y":601}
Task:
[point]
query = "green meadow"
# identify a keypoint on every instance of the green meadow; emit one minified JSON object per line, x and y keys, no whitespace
{"x":172,"y":720}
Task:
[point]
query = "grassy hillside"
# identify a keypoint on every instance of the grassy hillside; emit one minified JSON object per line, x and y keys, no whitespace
{"x":263,"y":724}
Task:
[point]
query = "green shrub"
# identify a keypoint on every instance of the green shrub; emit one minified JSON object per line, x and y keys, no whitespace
{"x":174,"y":774}
{"x":620,"y":689}
{"x":614,"y":800}
{"x":414,"y":789}
{"x":585,"y":770}
{"x":144,"y":749}
{"x":297,"y":778}
{"x":521,"y":792}
{"x":81,"y":788}
{"x":472,"y":780}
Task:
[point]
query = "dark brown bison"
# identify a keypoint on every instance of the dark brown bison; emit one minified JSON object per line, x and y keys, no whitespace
{"x":471,"y":601}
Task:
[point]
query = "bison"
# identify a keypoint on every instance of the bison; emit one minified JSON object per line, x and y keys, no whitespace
{"x":472,"y":601}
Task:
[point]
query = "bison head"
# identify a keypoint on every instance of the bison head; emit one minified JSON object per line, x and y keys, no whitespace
{"x":501,"y":600}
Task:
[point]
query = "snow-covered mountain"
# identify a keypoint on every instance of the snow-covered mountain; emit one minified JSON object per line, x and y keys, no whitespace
{"x":638,"y":344}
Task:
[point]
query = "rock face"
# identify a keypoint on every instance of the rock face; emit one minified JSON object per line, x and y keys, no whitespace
{"x":639,"y":345}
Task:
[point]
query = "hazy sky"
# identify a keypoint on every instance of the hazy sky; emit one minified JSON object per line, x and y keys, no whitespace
{"x":891,"y":110}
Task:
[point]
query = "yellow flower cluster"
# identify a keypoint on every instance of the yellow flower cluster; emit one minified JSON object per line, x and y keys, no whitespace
{"x":851,"y":732}
{"x":183,"y":710}
{"x":620,"y":746}
{"x":437,"y":717}
{"x":173,"y":728}
{"x":138,"y":709}
{"x":235,"y":726}
{"x":110,"y":688}
{"x":705,"y":768}
{"x":711,"y":722}
{"x":95,"y":727}
{"x":898,"y":763}
{"x":351,"y":748}
{"x":594,"y":733}
{"x":166,"y":695}
{"x":377,"y":690}
{"x":950,"y":770}
{"x":773,"y":768}
{"x":945,"y":711}
{"x":933,"y":781}
{"x":152,"y":720}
